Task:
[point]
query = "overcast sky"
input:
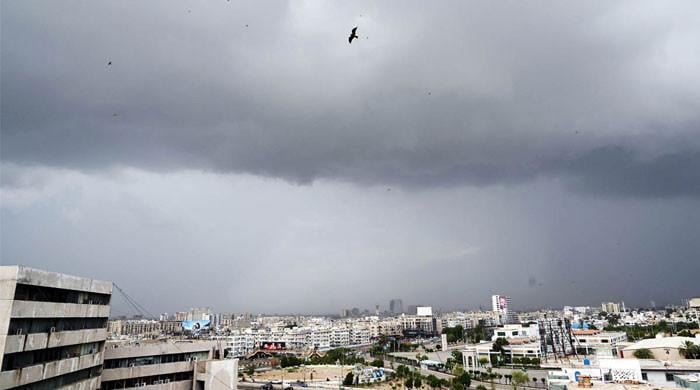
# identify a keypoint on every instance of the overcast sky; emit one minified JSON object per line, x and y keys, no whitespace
{"x":244,"y":156}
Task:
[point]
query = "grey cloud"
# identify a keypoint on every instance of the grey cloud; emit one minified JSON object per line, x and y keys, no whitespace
{"x":467,"y":93}
{"x":622,"y":172}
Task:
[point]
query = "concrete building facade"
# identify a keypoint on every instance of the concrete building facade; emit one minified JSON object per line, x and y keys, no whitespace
{"x":52,"y":329}
{"x":167,"y":365}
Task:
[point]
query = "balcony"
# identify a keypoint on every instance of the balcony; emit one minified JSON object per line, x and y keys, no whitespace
{"x":34,"y":341}
{"x":35,"y":309}
{"x":31,"y":374}
{"x":114,"y":374}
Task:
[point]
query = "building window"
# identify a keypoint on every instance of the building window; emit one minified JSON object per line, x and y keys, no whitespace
{"x":644,"y":376}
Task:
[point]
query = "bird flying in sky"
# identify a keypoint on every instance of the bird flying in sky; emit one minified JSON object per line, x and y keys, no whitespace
{"x":353,"y":35}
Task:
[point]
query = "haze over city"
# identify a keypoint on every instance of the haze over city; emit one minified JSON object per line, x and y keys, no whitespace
{"x":246,"y":157}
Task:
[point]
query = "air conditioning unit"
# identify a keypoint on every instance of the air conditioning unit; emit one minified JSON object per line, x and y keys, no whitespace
{"x":52,"y":330}
{"x":166,"y":380}
{"x":132,"y":365}
{"x":19,"y":331}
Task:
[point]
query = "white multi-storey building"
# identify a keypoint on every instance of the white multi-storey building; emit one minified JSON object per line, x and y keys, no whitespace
{"x":340,"y":337}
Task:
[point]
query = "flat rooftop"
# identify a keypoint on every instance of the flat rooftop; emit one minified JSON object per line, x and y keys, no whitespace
{"x":37,"y":277}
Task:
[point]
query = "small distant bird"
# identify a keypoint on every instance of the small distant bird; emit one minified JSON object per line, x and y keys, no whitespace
{"x":353,"y":35}
{"x":109,"y":63}
{"x":246,"y":25}
{"x":388,"y":189}
{"x":429,"y":93}
{"x":115,"y":115}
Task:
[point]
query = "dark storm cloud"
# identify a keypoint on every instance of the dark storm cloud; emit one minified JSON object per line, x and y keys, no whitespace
{"x":605,"y":96}
{"x":623,"y":172}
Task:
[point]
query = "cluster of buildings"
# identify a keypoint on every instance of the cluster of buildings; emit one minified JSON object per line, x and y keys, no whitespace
{"x":323,"y":334}
{"x":56,"y":332}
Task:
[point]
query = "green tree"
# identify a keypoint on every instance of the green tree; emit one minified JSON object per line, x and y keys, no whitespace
{"x":457,"y":355}
{"x":377,"y":363}
{"x":480,"y":387}
{"x":519,"y":378}
{"x":499,"y":346}
{"x":476,"y":334}
{"x":465,"y":379}
{"x":494,"y":360}
{"x":483,"y":361}
{"x":433,"y":381}
{"x":349,"y":379}
{"x":689,"y":350}
{"x":417,"y":382}
{"x":643,"y":353}
{"x":402,"y":371}
{"x":408,"y":382}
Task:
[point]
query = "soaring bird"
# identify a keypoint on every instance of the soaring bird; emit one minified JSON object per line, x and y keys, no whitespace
{"x":109,"y":63}
{"x":353,"y":35}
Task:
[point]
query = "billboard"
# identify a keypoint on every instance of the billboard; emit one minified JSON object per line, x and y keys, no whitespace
{"x":273,"y":345}
{"x":196,"y":325}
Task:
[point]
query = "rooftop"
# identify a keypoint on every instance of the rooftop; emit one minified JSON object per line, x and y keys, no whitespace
{"x":662,"y":342}
{"x":37,"y":277}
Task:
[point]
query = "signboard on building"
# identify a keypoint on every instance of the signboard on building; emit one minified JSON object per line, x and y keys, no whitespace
{"x":196,"y":325}
{"x":273,"y":345}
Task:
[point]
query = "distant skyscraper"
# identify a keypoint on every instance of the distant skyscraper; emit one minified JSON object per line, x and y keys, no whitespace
{"x":501,"y":304}
{"x":610,"y":307}
{"x":396,"y":306}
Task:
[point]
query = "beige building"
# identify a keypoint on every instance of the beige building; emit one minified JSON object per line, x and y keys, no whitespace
{"x":694,"y":303}
{"x":610,"y":307}
{"x":52,"y":329}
